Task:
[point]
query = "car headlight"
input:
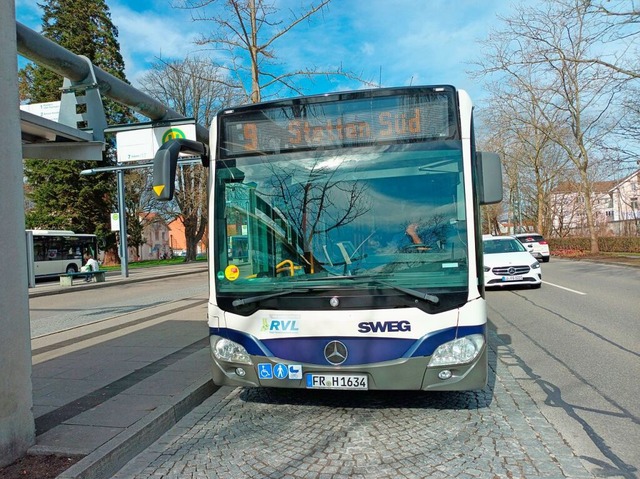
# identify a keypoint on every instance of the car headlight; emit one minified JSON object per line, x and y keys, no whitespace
{"x":459,"y":351}
{"x":487,"y":269}
{"x":535,"y":265}
{"x":230,"y":351}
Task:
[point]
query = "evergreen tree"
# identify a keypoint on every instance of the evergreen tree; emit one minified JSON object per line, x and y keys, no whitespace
{"x":62,"y":198}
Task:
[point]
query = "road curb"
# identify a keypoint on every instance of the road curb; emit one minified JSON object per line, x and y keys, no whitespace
{"x":109,"y":458}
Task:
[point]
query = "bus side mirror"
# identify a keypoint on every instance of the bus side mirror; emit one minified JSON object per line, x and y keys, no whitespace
{"x":166,"y":160}
{"x":490,"y":177}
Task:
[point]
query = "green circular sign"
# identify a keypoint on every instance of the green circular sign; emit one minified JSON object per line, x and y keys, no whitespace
{"x":173,"y":134}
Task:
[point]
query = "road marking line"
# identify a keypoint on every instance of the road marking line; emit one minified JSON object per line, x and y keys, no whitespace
{"x":567,"y":289}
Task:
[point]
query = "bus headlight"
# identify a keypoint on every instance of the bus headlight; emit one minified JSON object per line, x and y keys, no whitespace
{"x":459,"y":351}
{"x":230,"y":351}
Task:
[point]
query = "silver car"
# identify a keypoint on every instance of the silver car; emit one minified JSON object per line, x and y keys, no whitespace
{"x":535,"y":244}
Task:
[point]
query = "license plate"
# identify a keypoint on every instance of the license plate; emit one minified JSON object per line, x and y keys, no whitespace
{"x":337,"y":381}
{"x":512,"y":278}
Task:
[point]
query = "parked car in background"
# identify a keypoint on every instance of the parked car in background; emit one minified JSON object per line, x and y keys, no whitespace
{"x":535,"y":244}
{"x":508,"y":263}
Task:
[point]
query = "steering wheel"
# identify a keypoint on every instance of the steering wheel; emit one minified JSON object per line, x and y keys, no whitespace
{"x":417,"y":248}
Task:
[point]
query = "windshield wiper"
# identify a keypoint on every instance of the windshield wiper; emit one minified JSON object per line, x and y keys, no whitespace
{"x":262,"y":297}
{"x":411,"y":292}
{"x":370,"y":278}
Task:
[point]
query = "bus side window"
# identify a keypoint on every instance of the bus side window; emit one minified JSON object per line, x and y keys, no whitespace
{"x":39,"y":249}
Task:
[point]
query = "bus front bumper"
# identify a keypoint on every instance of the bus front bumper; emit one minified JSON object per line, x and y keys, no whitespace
{"x":401,"y":374}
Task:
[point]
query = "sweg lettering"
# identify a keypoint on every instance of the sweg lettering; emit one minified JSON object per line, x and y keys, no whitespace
{"x":384,"y":327}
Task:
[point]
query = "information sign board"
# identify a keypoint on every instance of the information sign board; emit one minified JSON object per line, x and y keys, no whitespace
{"x":141,"y":144}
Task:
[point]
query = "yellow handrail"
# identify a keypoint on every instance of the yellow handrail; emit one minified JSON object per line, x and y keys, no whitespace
{"x":287,"y":265}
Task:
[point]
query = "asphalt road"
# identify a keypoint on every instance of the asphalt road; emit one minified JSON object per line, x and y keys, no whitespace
{"x":577,"y":346}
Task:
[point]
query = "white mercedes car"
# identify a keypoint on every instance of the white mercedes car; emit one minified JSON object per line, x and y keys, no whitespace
{"x":508,"y":263}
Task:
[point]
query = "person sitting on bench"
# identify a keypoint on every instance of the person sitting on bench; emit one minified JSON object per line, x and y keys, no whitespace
{"x":90,"y":265}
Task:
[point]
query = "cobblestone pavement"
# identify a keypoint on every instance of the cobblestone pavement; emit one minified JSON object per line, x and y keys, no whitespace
{"x":252,"y":433}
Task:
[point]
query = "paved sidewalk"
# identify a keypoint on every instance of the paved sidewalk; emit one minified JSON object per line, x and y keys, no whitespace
{"x":45,"y":288}
{"x":105,"y":391}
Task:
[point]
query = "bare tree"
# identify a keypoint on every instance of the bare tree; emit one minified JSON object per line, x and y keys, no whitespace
{"x":136,"y":185}
{"x":193,"y":88}
{"x":310,"y":206}
{"x":249,"y":30}
{"x":532,"y":162}
{"x":618,"y":23}
{"x":542,"y":49}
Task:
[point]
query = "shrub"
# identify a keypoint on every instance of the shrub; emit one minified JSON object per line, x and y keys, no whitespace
{"x":573,"y":246}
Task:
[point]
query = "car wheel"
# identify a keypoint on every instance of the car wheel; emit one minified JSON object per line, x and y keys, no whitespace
{"x":546,"y":260}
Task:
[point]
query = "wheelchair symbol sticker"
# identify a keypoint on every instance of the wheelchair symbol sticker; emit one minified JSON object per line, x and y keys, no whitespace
{"x":265,"y":371}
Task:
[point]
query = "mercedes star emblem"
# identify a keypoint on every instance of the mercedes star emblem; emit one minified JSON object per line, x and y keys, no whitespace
{"x":335,"y":352}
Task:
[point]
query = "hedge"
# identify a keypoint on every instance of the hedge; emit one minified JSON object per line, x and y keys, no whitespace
{"x":608,"y":244}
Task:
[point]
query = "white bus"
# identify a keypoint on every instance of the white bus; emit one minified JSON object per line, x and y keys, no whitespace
{"x":54,"y":252}
{"x":363,"y":263}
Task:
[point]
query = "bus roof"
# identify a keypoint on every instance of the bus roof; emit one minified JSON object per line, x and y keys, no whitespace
{"x":52,"y":232}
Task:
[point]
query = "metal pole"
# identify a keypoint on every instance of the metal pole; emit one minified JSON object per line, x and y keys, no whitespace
{"x":137,"y":166}
{"x":122,"y":216}
{"x":17,"y":427}
{"x":31,"y":273}
{"x":58,"y":59}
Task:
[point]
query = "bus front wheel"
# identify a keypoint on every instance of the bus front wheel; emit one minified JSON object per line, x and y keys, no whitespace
{"x":72,"y":268}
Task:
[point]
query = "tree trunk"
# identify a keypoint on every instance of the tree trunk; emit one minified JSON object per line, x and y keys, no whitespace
{"x":593,"y":234}
{"x":111,"y":257}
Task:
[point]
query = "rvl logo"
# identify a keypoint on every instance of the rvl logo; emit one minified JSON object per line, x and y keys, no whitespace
{"x":280,"y":325}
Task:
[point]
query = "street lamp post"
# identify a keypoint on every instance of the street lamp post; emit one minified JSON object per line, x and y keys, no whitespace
{"x":122,"y":214}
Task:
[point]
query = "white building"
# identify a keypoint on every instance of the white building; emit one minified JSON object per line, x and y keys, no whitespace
{"x":616,"y":208}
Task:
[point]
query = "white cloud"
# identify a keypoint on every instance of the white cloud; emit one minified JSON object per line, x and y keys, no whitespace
{"x":147,"y":36}
{"x":368,"y":49}
{"x":401,"y":42}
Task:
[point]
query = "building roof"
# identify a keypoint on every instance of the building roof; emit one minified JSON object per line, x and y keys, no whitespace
{"x":597,"y":186}
{"x":635,"y":175}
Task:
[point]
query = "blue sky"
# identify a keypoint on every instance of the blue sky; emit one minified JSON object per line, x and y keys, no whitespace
{"x":401,"y":42}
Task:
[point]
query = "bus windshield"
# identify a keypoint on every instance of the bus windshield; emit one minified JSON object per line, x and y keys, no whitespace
{"x":394,"y":212}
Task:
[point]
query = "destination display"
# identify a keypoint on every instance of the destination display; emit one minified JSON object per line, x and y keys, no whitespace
{"x":339,"y":123}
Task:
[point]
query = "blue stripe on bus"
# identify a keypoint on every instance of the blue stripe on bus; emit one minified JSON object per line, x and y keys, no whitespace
{"x":365,"y":350}
{"x":361,"y":350}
